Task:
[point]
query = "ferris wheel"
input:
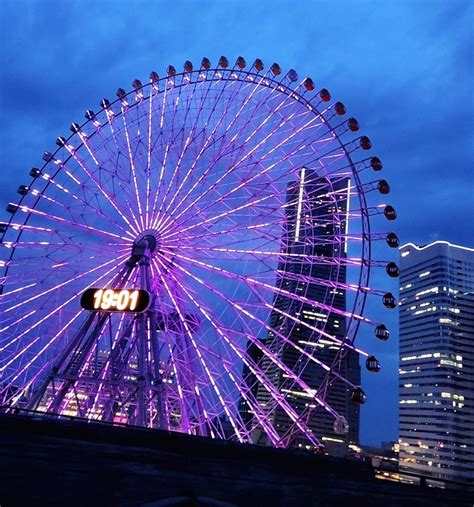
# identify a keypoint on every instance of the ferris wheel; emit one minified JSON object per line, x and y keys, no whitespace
{"x":195,"y":257}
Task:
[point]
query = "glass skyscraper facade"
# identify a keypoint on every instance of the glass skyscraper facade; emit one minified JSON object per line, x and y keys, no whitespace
{"x":311,"y":229}
{"x":437,"y":361}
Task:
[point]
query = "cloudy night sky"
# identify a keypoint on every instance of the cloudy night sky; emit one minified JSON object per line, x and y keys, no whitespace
{"x":402,"y":68}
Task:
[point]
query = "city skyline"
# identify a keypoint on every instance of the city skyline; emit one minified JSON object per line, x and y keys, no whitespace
{"x":407,"y":83}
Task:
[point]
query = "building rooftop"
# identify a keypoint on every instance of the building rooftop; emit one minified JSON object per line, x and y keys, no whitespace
{"x":438,"y":242}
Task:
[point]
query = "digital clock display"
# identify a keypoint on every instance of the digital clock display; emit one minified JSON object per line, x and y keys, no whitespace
{"x":115,"y":300}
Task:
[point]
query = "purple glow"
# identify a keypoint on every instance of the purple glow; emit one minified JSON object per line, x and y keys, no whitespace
{"x":222,"y":197}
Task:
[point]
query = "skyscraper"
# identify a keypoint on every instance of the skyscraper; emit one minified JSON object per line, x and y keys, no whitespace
{"x":437,"y":361}
{"x":315,"y":223}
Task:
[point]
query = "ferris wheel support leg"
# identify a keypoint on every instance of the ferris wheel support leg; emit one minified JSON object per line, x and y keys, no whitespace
{"x":143,"y":379}
{"x":202,"y":426}
{"x":76,"y":362}
{"x":187,"y":396}
{"x":59,"y":363}
{"x":189,"y":377}
{"x":163,"y":422}
{"x":141,"y":401}
{"x":162,"y":419}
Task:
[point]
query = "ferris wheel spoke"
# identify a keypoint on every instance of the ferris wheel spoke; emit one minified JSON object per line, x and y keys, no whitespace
{"x":228,"y":391}
{"x":65,"y":283}
{"x":267,"y":96}
{"x":336,"y":152}
{"x":85,"y":142}
{"x":42,"y":320}
{"x":43,"y":349}
{"x":253,"y":368}
{"x":215,"y":218}
{"x":248,"y":255}
{"x":278,"y":129}
{"x":211,"y":139}
{"x":239,"y":309}
{"x":168,"y":143}
{"x":165,"y":155}
{"x":110,"y":117}
{"x":244,"y":183}
{"x":99,"y":186}
{"x":14,"y":398}
{"x":25,"y":227}
{"x":148,"y":152}
{"x":281,"y":128}
{"x":177,"y":359}
{"x":177,"y":375}
{"x":261,"y":416}
{"x":279,"y":291}
{"x":69,"y":194}
{"x":56,"y":246}
{"x":255,"y":243}
{"x":132,"y":167}
{"x":201,"y":359}
{"x":17,"y":321}
{"x":295,"y":259}
{"x":256,"y":228}
{"x":303,"y":257}
{"x":154,"y":92}
{"x":40,"y":353}
{"x":189,"y":141}
{"x":263,"y":419}
{"x":45,"y":263}
{"x":57,"y":218}
{"x":12,"y":356}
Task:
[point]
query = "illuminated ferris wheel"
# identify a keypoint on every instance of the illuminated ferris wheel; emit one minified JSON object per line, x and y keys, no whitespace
{"x":195,"y":257}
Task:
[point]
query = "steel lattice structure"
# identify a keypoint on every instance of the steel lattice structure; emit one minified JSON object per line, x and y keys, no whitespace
{"x":224,"y":193}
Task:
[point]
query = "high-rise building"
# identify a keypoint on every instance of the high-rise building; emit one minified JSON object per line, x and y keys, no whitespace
{"x":437,"y":361}
{"x":315,"y":224}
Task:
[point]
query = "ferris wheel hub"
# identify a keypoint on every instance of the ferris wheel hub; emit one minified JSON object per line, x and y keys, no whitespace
{"x":152,"y":238}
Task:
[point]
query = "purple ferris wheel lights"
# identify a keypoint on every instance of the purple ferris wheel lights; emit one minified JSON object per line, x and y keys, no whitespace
{"x":223,"y":194}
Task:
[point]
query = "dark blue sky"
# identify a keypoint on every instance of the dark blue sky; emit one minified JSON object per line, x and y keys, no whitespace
{"x":403,"y":68}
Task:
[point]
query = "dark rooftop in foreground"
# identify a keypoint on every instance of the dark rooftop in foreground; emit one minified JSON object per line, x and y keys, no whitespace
{"x":69,"y":462}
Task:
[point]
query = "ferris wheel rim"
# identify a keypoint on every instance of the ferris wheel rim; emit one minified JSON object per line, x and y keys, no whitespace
{"x":364,"y":272}
{"x":227,"y":75}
